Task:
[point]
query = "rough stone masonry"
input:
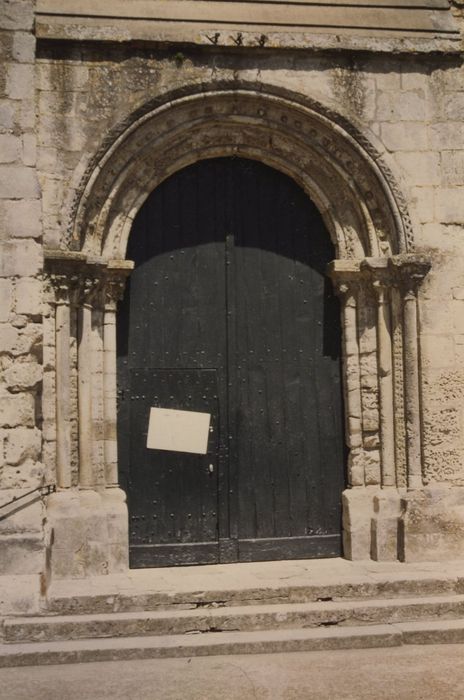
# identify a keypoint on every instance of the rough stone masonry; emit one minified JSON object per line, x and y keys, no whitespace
{"x":96,"y":111}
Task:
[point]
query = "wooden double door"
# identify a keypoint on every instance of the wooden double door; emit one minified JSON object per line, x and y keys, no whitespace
{"x":229,"y":312}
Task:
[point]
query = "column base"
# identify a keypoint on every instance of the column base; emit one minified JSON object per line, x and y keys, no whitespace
{"x":370,"y":523}
{"x":117,"y":518}
{"x":78,"y":534}
{"x":357,"y":514}
{"x":89,"y":533}
{"x":432,"y":524}
{"x":384,"y":525}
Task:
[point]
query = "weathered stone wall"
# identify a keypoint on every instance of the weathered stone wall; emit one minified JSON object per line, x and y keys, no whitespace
{"x":409,"y":107}
{"x":21,"y":470}
{"x":61,"y":102}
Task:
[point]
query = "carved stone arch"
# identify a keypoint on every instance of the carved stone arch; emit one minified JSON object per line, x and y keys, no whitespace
{"x":340,"y":170}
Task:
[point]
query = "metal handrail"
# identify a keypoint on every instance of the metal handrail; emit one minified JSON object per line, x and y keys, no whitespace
{"x":45,"y":490}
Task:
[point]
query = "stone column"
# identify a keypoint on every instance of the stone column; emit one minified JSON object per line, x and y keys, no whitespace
{"x":64,"y":516}
{"x":114,"y":498}
{"x":345,"y":276}
{"x":62,"y":381}
{"x":348,"y":296}
{"x":357,"y":501}
{"x":412,"y":270}
{"x":384,"y":359}
{"x":114,"y":289}
{"x":84,"y":361}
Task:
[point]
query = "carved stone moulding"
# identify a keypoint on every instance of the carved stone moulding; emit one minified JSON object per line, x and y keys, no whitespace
{"x":76,"y":278}
{"x":337,"y":166}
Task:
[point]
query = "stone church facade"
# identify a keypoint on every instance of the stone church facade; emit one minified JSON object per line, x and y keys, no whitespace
{"x":363,"y":108}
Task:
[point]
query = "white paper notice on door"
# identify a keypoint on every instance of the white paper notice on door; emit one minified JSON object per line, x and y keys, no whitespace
{"x":178,"y":431}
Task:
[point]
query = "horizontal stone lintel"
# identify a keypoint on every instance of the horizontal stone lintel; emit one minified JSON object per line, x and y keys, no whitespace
{"x":378,"y":25}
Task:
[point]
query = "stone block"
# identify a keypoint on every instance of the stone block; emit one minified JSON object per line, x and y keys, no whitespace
{"x":372,"y":467}
{"x":18,"y":182}
{"x":10,"y":148}
{"x":23,"y":49}
{"x":370,"y":419}
{"x":436,"y":317}
{"x":452,"y":165}
{"x":17,"y":14}
{"x":114,"y":504}
{"x":8,"y":337}
{"x":7,"y":115}
{"x":446,"y":135}
{"x":20,"y":218}
{"x":414,"y":80}
{"x":423,"y":198}
{"x":21,"y":376}
{"x":20,"y":595}
{"x":19,"y":81}
{"x":437,"y":350}
{"x":453,"y":106}
{"x":29,"y":340}
{"x":432,"y":525}
{"x":420,"y":168}
{"x":80,"y":535}
{"x":20,"y":258}
{"x":22,"y":554}
{"x":29,"y":149}
{"x":26,"y":114}
{"x":28,"y":297}
{"x":450,"y":205}
{"x":17,"y":410}
{"x":25,"y":515}
{"x":118,"y":558}
{"x":458,"y":318}
{"x":6,"y":299}
{"x":357,"y":515}
{"x":410,"y":106}
{"x":21,"y":444}
{"x":384,"y":525}
{"x":27,"y":475}
{"x":404,"y":136}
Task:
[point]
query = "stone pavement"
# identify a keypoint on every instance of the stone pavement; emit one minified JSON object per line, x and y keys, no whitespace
{"x":407,"y":673}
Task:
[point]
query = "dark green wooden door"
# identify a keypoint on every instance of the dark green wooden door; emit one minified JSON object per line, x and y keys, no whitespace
{"x":229,"y":312}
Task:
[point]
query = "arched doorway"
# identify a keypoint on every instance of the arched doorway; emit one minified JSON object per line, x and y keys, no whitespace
{"x":229,"y":312}
{"x":373,"y":271}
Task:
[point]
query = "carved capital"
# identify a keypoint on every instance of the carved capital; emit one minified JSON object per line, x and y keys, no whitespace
{"x":62,"y":274}
{"x":377,"y":272}
{"x":115,"y":281}
{"x":90,"y":286}
{"x":410,"y":271}
{"x":346,"y":278}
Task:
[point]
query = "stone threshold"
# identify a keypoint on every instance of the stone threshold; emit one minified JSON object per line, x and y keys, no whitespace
{"x":251,"y":583}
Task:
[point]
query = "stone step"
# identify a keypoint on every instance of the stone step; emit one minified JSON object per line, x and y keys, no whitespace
{"x":232,"y":619}
{"x":227,"y":643}
{"x":65,"y":598}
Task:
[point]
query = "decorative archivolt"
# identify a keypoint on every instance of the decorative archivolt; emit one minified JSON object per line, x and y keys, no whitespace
{"x":338,"y":168}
